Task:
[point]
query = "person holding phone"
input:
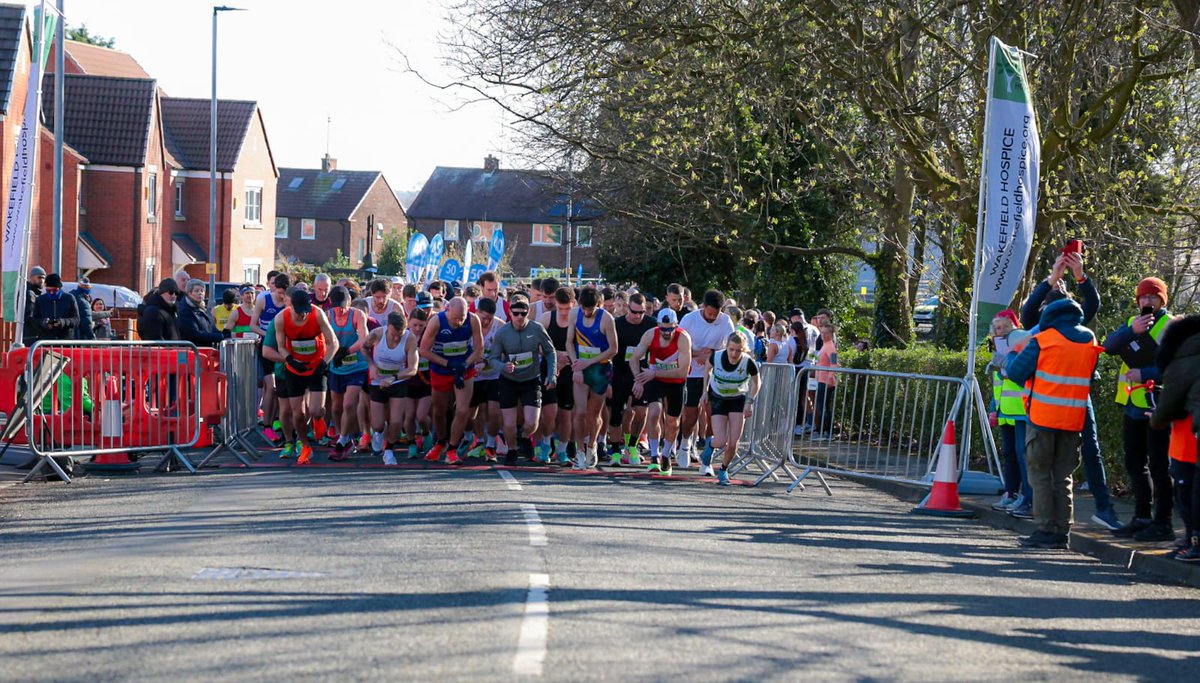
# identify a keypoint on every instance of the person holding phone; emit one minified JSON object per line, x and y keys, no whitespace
{"x":1146,"y":458}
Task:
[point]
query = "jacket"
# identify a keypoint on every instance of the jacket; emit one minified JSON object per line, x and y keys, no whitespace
{"x":1031,"y":310}
{"x":156,"y":322}
{"x":84,"y":302}
{"x":1179,"y":360}
{"x":1115,"y":342}
{"x":60,"y":307}
{"x":32,"y":292}
{"x":1066,"y":317}
{"x":196,"y":324}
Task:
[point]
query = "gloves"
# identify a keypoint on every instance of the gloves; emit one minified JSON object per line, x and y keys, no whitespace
{"x":226,"y":334}
{"x":297,"y":364}
{"x":459,"y":382}
{"x":340,"y":355}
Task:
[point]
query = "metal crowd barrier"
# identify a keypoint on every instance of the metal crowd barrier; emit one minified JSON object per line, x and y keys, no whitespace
{"x":883,"y":425}
{"x":93,"y":398}
{"x":239,"y":364}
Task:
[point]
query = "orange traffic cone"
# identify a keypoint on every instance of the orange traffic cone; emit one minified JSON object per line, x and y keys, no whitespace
{"x":111,"y":459}
{"x":943,"y":498}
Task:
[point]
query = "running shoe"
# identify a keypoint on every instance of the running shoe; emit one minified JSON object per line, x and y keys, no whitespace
{"x":271,"y":435}
{"x":339,"y":451}
{"x":412,"y":451}
{"x":1157,"y":532}
{"x":706,"y":471}
{"x":581,"y":459}
{"x":320,"y":428}
{"x":1006,"y":501}
{"x":478,"y":451}
{"x":389,"y":457}
{"x":306,"y":453}
{"x":564,"y":459}
{"x":1108,"y":519}
{"x":452,"y":457}
{"x":510,"y":458}
{"x":653,"y":468}
{"x":706,"y":454}
{"x":1022,"y":511}
{"x":614,"y":458}
{"x":489,"y":454}
{"x":364,"y":442}
{"x":435,"y":453}
{"x":1190,"y":554}
{"x":722,"y":477}
{"x":377,"y":441}
{"x":632,"y":457}
{"x":542,"y":454}
{"x":289,"y":451}
{"x":668,"y":470}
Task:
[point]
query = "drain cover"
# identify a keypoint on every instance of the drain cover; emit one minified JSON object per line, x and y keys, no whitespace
{"x":249,"y":574}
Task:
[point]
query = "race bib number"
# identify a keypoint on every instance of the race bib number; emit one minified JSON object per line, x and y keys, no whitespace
{"x":666,"y":366}
{"x":423,"y":365}
{"x":522,"y":360}
{"x":727,"y":390}
{"x":629,"y":353}
{"x":588,"y":352}
{"x":351,"y":359}
{"x":455,"y":348}
{"x":385,"y":372}
{"x":304,"y":347}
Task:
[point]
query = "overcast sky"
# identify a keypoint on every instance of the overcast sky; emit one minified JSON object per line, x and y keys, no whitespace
{"x":304,"y":61}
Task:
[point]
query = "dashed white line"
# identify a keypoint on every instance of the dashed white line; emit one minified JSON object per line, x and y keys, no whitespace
{"x":531,"y":646}
{"x":537,"y":532}
{"x":510,"y":480}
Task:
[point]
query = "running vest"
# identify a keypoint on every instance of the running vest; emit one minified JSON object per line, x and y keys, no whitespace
{"x":591,"y":341}
{"x":304,"y":341}
{"x":241,"y":324}
{"x":381,"y":318}
{"x":1183,"y":441}
{"x":485,"y":369}
{"x":730,"y":383}
{"x":347,"y":336}
{"x":1137,"y":394}
{"x":1058,"y":393}
{"x":270,"y":310}
{"x":390,"y":362}
{"x":451,"y":344}
{"x":558,"y":333}
{"x":665,"y":358}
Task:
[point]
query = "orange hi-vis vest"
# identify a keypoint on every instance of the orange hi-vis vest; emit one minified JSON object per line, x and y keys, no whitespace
{"x":1059,"y":391}
{"x":303,"y":340}
{"x":1183,"y":441}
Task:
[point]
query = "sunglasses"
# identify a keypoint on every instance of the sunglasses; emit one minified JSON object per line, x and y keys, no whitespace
{"x":640,"y":311}
{"x":520,"y":314}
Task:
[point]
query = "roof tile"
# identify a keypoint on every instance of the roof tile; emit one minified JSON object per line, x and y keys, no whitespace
{"x":316,"y":196}
{"x":106,"y":119}
{"x":186,"y":129}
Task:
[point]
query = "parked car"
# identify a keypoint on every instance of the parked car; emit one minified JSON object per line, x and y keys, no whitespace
{"x":114,"y":296}
{"x":924,"y":312}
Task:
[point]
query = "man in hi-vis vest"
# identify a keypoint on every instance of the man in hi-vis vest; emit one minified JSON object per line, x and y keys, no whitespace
{"x":1056,"y":367}
{"x":1146,"y":460}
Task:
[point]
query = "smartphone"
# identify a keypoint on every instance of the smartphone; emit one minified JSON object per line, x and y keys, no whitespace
{"x":1147,"y":310}
{"x":1072,"y":247}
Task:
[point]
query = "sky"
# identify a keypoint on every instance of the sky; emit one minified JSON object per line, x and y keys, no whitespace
{"x":305,"y":61}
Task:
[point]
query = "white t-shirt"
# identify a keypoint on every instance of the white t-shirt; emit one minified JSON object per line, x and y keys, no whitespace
{"x":705,"y":335}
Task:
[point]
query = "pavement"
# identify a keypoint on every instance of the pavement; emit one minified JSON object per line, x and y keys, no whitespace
{"x":419,"y":573}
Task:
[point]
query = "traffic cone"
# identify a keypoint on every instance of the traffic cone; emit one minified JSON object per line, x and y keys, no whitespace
{"x":111,"y":459}
{"x":943,"y":498}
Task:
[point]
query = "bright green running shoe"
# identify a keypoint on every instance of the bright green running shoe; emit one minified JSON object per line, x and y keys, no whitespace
{"x":653,"y":468}
{"x":478,"y":451}
{"x":289,"y":451}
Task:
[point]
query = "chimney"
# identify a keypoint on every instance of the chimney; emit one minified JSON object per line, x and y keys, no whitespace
{"x":328,"y":164}
{"x":491,"y":164}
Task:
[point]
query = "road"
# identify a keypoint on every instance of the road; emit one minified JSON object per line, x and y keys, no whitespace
{"x":470,"y":575}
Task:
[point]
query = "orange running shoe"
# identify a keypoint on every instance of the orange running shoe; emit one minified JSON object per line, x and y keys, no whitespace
{"x":305,"y":455}
{"x":319,"y":429}
{"x":452,"y":457}
{"x":364,"y":443}
{"x":435,"y":453}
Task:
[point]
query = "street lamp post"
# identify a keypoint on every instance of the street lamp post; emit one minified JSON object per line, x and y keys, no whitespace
{"x":212,"y":163}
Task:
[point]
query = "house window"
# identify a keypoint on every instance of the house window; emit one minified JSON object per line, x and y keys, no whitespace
{"x":546,"y":235}
{"x":296,"y":183}
{"x":450,"y":231}
{"x":379,"y":231}
{"x":308,"y":228}
{"x":281,"y":228}
{"x":152,"y":195}
{"x":178,"y":198}
{"x":251,"y":270}
{"x":583,"y":235}
{"x":338,"y":184}
{"x":254,"y":205}
{"x":362,"y":249}
{"x":482,"y":231}
{"x":149,"y":275}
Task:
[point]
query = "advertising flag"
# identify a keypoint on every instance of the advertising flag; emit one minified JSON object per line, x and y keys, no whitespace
{"x":496,"y":249}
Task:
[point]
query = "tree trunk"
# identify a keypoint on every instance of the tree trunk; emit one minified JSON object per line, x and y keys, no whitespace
{"x":892,"y":327}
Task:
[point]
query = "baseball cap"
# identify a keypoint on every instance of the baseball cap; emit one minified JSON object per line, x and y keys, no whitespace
{"x":37,"y":271}
{"x":424,"y":301}
{"x":397,"y":280}
{"x":301,"y":303}
{"x":666,"y":315}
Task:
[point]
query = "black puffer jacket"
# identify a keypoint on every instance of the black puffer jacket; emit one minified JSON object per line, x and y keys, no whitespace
{"x":157,"y":320}
{"x":196,"y":324}
{"x":1179,"y":360}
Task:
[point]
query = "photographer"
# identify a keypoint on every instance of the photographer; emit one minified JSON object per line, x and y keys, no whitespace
{"x":56,"y":313}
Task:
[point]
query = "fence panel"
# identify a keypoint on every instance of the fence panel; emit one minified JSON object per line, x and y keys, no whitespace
{"x":239,"y":364}
{"x":88,"y":398}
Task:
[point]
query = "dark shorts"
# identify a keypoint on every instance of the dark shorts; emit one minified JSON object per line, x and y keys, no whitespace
{"x":565,"y":390}
{"x":338,"y":384}
{"x":725,"y":405}
{"x":268,"y":366}
{"x":695,"y":391}
{"x":598,"y":377}
{"x":295,"y":386}
{"x":622,"y":394}
{"x":381,"y":395}
{"x":669,"y":394}
{"x":527,"y":393}
{"x":485,"y":390}
{"x":418,"y":388}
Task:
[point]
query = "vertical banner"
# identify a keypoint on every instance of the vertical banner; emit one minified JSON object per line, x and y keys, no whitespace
{"x":415,"y":260}
{"x":1009,"y":188}
{"x":20,"y":194}
{"x":433,"y":257}
{"x":468,"y":257}
{"x":496,"y":249}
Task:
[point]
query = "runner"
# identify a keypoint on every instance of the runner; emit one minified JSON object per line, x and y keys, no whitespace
{"x":669,"y":351}
{"x":392,"y":355}
{"x":304,"y":345}
{"x":410,"y":299}
{"x":266,"y":307}
{"x":238,"y":324}
{"x":516,"y":349}
{"x":417,"y":426}
{"x":489,"y":285}
{"x":732,"y":389}
{"x":708,"y":328}
{"x":348,"y":373}
{"x":630,"y":329}
{"x":320,"y":293}
{"x":594,"y":343}
{"x":380,"y":304}
{"x":396,"y":293}
{"x":485,"y":400}
{"x":453,"y":344}
{"x":557,"y":405}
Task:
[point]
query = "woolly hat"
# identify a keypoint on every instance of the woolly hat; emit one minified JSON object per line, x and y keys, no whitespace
{"x":1153,"y":285}
{"x":1011,"y":316}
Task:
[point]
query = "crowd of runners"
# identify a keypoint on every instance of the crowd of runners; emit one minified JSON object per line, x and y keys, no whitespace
{"x":557,"y":375}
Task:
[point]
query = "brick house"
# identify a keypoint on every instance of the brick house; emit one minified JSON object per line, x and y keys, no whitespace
{"x":322,"y":210}
{"x":464,"y":203}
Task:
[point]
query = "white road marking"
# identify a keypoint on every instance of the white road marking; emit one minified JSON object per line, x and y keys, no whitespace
{"x":537,"y":532}
{"x":510,"y":480}
{"x":531,"y":646}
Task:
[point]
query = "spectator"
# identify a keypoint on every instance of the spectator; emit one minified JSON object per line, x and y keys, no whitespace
{"x":826,"y":383}
{"x":779,"y":350}
{"x":33,"y":289}
{"x":1179,"y":408}
{"x":157,"y":319}
{"x":55,"y":313}
{"x":83,"y":301}
{"x":195,"y":322}
{"x":101,"y":320}
{"x":181,"y":279}
{"x":1059,"y":362}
